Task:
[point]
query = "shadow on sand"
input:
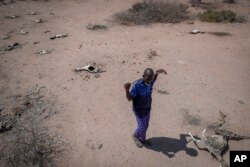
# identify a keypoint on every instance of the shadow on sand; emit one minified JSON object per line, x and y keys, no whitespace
{"x":170,"y":146}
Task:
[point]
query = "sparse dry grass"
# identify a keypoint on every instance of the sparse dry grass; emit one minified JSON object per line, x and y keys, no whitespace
{"x":220,"y":16}
{"x":29,"y":144}
{"x":152,"y":12}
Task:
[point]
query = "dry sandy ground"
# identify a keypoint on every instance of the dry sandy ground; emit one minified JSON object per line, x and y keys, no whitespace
{"x":206,"y":74}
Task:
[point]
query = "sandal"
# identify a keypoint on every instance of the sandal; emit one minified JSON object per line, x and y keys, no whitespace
{"x":138,"y":143}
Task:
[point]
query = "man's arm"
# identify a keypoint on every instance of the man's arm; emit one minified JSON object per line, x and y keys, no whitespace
{"x":127,"y":86}
{"x":158,"y":72}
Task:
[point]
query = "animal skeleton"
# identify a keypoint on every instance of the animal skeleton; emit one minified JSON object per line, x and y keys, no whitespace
{"x":215,"y":144}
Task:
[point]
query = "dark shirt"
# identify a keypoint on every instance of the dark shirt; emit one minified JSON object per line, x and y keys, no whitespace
{"x":141,"y":96}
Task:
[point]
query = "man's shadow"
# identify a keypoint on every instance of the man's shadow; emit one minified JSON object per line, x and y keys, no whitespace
{"x":170,"y":146}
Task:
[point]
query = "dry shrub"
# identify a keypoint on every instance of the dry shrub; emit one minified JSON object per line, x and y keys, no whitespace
{"x":30,"y":144}
{"x":228,"y":1}
{"x":220,"y":16}
{"x":25,"y":140}
{"x":152,"y":12}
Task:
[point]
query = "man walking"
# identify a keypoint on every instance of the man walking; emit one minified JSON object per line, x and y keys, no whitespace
{"x":140,"y":94}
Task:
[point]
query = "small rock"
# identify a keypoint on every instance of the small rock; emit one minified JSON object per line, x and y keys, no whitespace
{"x":33,"y":13}
{"x":87,"y":76}
{"x":99,"y":146}
{"x":97,"y":75}
{"x":47,"y":31}
{"x":22,"y":32}
{"x":39,"y":20}
{"x":152,"y":54}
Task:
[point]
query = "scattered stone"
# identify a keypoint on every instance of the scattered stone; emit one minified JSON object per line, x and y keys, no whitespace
{"x":59,"y":36}
{"x":152,"y":54}
{"x":80,"y":46}
{"x":22,"y":32}
{"x":162,"y":91}
{"x":33,"y":13}
{"x":97,"y":75}
{"x":47,"y":31}
{"x":11,"y":17}
{"x":87,"y":77}
{"x":196,"y":31}
{"x":96,"y":27}
{"x":36,"y":42}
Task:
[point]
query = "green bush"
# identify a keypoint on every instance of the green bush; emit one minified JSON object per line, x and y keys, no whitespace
{"x":218,"y":16}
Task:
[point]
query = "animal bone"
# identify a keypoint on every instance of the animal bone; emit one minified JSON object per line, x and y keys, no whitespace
{"x":43,"y":52}
{"x":12,"y":17}
{"x":229,"y":135}
{"x":215,"y":144}
{"x":196,"y":31}
{"x":11,"y":47}
{"x":5,"y":37}
{"x":23,"y":32}
{"x":59,"y":36}
{"x":39,"y":20}
{"x":33,"y":13}
{"x":89,"y":68}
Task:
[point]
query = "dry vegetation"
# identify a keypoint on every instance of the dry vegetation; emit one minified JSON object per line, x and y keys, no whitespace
{"x":30,"y":144}
{"x":25,"y":140}
{"x":220,"y":16}
{"x":152,"y":12}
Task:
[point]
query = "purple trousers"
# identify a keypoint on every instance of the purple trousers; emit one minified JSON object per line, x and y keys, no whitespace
{"x":142,"y":126}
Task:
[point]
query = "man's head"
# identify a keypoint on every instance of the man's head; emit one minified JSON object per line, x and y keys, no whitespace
{"x":148,"y":75}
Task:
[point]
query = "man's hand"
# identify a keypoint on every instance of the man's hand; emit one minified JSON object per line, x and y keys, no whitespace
{"x":127,"y":86}
{"x":161,"y":71}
